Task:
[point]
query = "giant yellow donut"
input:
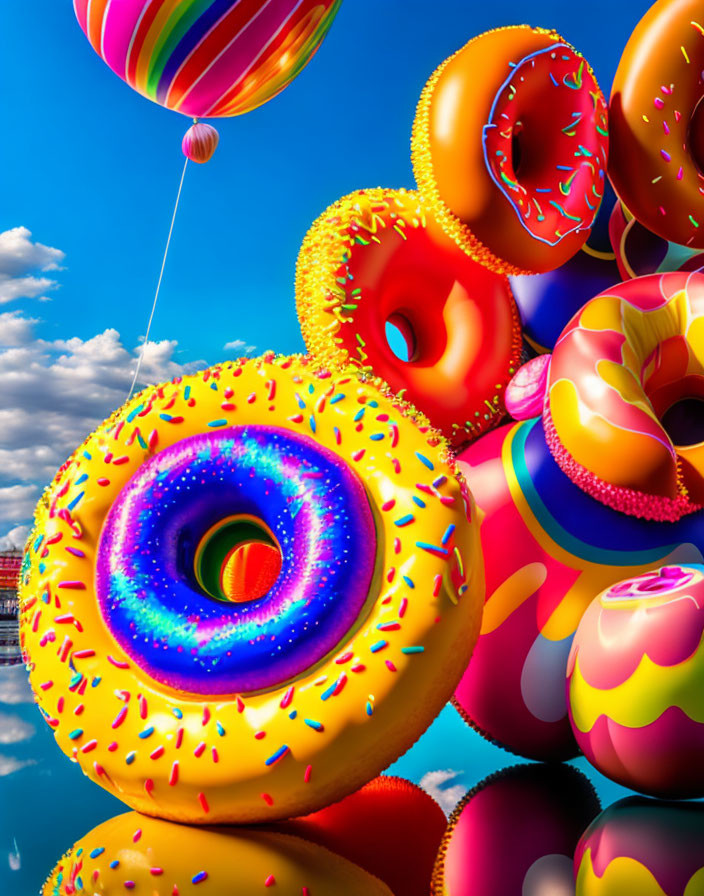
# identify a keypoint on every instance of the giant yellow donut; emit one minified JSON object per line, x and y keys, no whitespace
{"x":171,"y":682}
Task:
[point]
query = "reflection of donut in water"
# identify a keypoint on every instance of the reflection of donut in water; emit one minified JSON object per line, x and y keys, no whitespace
{"x":642,"y":846}
{"x":515,"y":833}
{"x":134,"y":853}
{"x":636,"y":682}
{"x":235,"y":574}
{"x":334,"y":849}
{"x":376,"y":260}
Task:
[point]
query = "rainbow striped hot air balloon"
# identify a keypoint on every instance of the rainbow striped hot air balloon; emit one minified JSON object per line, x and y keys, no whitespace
{"x":206,"y":58}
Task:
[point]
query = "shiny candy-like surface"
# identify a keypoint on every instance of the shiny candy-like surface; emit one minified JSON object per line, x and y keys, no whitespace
{"x":200,"y":142}
{"x":548,"y":548}
{"x":206,"y":60}
{"x":655,"y":114}
{"x":636,"y":682}
{"x":378,"y":256}
{"x":365,"y":693}
{"x":509,"y":148}
{"x":642,"y":846}
{"x":316,"y":509}
{"x":132,"y":853}
{"x":539,"y":810}
{"x":621,"y":363}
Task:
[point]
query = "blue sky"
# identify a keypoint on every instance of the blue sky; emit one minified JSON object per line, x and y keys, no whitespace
{"x":91,"y":168}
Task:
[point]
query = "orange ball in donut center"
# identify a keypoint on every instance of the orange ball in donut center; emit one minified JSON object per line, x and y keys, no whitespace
{"x":250,"y":571}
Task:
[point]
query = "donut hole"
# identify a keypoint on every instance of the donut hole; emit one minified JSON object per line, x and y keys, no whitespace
{"x":401,"y":337}
{"x":683,"y":421}
{"x":237,"y":560}
{"x":516,"y":148}
{"x":695,"y":135}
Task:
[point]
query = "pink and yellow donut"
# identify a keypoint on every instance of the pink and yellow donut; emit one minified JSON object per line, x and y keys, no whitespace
{"x":176,"y":686}
{"x":626,"y":367}
{"x":636,"y":682}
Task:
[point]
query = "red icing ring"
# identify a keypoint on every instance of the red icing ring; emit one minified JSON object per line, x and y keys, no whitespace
{"x":377,"y":257}
{"x":655,"y":114}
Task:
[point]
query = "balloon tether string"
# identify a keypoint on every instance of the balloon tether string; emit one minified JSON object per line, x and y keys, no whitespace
{"x":158,"y":285}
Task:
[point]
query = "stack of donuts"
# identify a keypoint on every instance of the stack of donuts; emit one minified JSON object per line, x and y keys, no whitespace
{"x":251,"y":589}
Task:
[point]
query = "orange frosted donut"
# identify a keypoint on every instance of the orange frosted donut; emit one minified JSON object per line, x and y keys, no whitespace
{"x":377,"y":258}
{"x":657,"y":122}
{"x":509,"y":148}
{"x":623,"y":407}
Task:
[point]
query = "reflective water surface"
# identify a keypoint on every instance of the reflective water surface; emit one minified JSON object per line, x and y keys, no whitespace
{"x":46,"y":805}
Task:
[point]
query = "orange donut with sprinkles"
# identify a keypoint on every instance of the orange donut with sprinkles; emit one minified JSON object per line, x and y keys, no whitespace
{"x":377,"y":258}
{"x":657,"y":122}
{"x":509,"y":148}
{"x":198,"y":689}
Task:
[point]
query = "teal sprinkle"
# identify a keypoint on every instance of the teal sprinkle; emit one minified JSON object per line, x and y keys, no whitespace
{"x":214,"y":386}
{"x":311,"y":723}
{"x":98,"y":851}
{"x":202,"y":875}
{"x":448,"y":533}
{"x":146,"y":733}
{"x":187,"y":392}
{"x":75,"y":734}
{"x":358,"y":416}
{"x":418,"y":501}
{"x":132,"y":415}
{"x":96,"y":681}
{"x":222,"y":422}
{"x":373,"y":404}
{"x":563,"y":212}
{"x":404,"y":520}
{"x":282,"y":751}
{"x":336,"y":398}
{"x":375,"y":648}
{"x":87,"y":456}
{"x":75,"y":501}
{"x":293,"y":714}
{"x":45,"y":597}
{"x":142,"y":443}
{"x":115,"y":864}
{"x":311,"y":388}
{"x":75,"y":680}
{"x":177,"y":712}
{"x":42,"y":568}
{"x":463,"y":588}
{"x":370,"y":709}
{"x":79,"y":883}
{"x":328,"y":693}
{"x":424,"y":460}
{"x":413,"y":650}
{"x":221,"y":730}
{"x":376,"y":436}
{"x":409,"y":582}
{"x":81,"y":478}
{"x":426,"y":546}
{"x":301,"y":403}
{"x":38,"y":543}
{"x":130,"y":757}
{"x":311,"y":421}
{"x":166,"y":417}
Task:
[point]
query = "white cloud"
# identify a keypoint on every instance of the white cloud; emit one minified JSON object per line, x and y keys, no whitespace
{"x":15,"y":330}
{"x":439,"y":785}
{"x":239,"y":346}
{"x":8,"y":765}
{"x":13,"y":729}
{"x":14,"y":686}
{"x":15,"y":539}
{"x":21,"y":260}
{"x":54,"y":393}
